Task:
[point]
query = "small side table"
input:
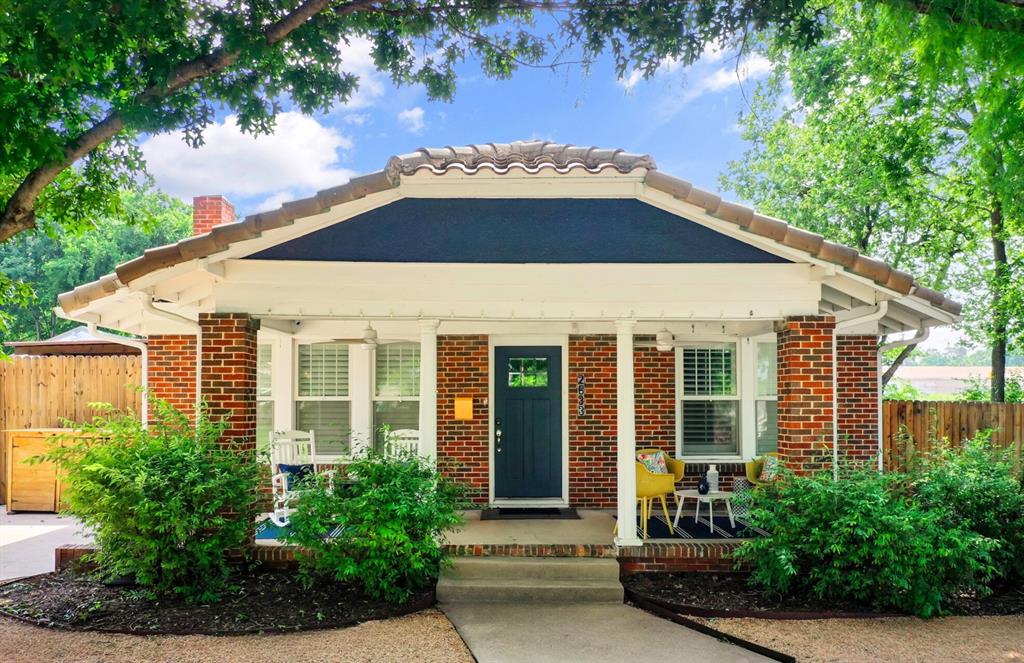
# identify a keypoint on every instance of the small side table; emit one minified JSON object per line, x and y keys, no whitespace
{"x":709,"y":498}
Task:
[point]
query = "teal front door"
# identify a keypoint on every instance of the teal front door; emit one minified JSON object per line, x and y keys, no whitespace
{"x":528,"y":422}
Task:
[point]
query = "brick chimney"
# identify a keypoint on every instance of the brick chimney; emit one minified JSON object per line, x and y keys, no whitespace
{"x":210,"y":211}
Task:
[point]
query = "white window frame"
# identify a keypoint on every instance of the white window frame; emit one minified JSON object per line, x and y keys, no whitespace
{"x":771,"y":339}
{"x":352,"y":385}
{"x":746,"y":394}
{"x":375,"y":398}
{"x":267,"y":398}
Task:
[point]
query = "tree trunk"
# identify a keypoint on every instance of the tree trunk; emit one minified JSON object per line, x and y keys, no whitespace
{"x":1000,"y":323}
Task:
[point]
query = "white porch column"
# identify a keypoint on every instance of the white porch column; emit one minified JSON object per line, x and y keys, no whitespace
{"x":626,"y":424}
{"x":428,"y":388}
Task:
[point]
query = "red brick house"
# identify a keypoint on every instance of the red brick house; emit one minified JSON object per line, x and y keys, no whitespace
{"x":537,"y":312}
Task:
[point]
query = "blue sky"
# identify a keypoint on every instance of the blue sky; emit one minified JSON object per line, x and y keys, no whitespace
{"x":684,"y":117}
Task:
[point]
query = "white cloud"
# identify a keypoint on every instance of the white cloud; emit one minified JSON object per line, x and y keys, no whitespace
{"x":724,"y":78}
{"x":357,"y":58}
{"x":300,"y":157}
{"x":356,"y":119}
{"x":711,"y":54}
{"x":412,"y":119}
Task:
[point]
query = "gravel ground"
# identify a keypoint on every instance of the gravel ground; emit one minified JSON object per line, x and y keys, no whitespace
{"x":425,"y":637}
{"x":904,"y":639}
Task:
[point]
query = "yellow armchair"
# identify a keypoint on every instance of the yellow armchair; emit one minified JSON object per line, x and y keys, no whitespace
{"x":754,"y":468}
{"x":651,"y":485}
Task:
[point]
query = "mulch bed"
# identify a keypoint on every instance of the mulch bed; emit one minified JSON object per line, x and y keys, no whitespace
{"x":258,"y":602}
{"x":730,"y":595}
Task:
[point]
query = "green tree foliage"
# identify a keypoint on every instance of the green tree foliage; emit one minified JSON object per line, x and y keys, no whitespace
{"x":391,"y":514}
{"x":909,"y":155}
{"x":166,"y":505}
{"x":48,"y":264}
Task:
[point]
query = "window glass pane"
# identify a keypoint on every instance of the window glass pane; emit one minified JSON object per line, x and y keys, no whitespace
{"x":323,"y":369}
{"x":264,"y":423}
{"x":528,"y":372}
{"x":766,"y":370}
{"x":329,"y":420}
{"x":710,"y":428}
{"x":398,"y":370}
{"x":396,"y":415}
{"x":709,"y":371}
{"x":767,"y":416}
{"x":263,"y":356}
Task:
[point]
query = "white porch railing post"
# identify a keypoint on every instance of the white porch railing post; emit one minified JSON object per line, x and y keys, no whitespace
{"x":428,"y":388}
{"x":626,"y":425}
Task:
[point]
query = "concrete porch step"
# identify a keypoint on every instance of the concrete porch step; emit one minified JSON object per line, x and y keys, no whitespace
{"x":564,"y":568}
{"x":530,"y":580}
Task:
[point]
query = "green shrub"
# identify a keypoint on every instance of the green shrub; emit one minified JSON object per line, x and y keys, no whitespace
{"x":164,"y":504}
{"x":862,"y":538}
{"x":392,"y":511}
{"x":977,"y":485}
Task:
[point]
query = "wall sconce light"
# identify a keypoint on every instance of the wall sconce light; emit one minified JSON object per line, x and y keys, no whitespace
{"x":664,"y":341}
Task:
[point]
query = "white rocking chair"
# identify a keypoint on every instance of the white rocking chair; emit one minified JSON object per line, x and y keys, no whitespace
{"x":404,"y":439}
{"x":290,"y":447}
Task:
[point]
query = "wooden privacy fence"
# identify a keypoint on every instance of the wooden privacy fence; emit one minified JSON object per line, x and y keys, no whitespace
{"x":38,"y":391}
{"x":956,"y":421}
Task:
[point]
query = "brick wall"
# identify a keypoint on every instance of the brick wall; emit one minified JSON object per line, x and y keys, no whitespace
{"x":172,"y":370}
{"x":592,"y":449}
{"x":462,"y":446}
{"x":654,"y":375}
{"x":228,"y":374}
{"x":805,"y":392}
{"x":857,"y":406}
{"x":210,"y":211}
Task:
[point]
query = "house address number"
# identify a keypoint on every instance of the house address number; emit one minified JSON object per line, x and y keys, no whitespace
{"x":581,"y":395}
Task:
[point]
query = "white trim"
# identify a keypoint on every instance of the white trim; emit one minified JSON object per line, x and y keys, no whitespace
{"x":428,"y":388}
{"x":551,"y":340}
{"x":625,"y":420}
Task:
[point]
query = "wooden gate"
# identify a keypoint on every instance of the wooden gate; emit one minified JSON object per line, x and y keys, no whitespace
{"x":39,"y":391}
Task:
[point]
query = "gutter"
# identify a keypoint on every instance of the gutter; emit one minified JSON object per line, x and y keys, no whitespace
{"x":922,"y":334}
{"x":147,"y":305}
{"x":880,"y":311}
{"x":143,"y":348}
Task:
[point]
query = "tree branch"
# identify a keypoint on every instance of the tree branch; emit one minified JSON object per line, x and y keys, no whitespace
{"x":19,"y":212}
{"x":896,"y":363}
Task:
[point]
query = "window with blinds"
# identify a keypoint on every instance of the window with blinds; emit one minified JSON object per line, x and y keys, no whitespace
{"x":765,"y":400}
{"x":396,"y":389}
{"x":323,"y":370}
{"x":397,"y":370}
{"x":710,"y":402}
{"x":322,"y":401}
{"x":264,"y":399}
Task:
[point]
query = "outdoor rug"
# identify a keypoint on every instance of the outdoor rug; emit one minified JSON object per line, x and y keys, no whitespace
{"x":518,"y":513}
{"x":658,"y":528}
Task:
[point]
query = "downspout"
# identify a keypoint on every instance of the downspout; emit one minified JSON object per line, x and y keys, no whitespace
{"x":921,"y":335}
{"x":147,"y":304}
{"x":143,"y":349}
{"x":879,"y":312}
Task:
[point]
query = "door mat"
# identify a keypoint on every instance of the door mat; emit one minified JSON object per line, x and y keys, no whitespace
{"x":524,"y":513}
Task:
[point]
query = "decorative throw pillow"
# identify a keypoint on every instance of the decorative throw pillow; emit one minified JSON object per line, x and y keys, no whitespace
{"x":654,"y":462}
{"x":770,"y":469}
{"x":295,"y":473}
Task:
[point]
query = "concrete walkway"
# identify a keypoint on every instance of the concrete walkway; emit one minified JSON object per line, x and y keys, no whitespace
{"x":497,"y":633}
{"x":27,"y":541}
